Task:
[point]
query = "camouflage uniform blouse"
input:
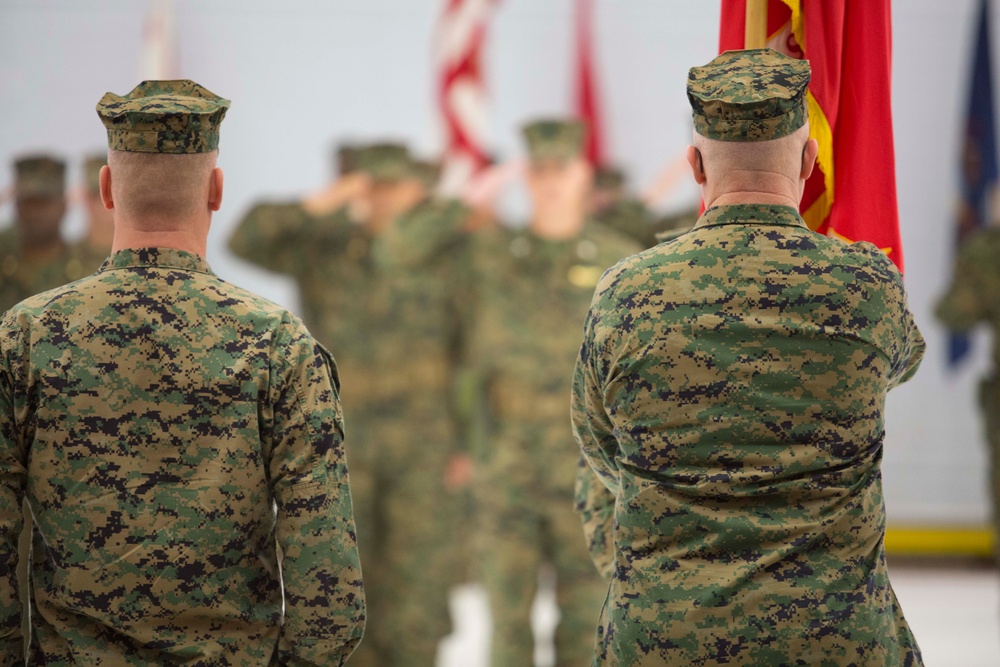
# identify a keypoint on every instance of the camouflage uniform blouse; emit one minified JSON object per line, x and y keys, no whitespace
{"x":177,"y":439}
{"x":730,"y":391}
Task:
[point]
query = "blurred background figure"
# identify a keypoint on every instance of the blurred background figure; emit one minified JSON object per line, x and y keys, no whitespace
{"x":391,"y":325}
{"x":973,"y":299}
{"x":532,"y":288}
{"x":90,"y":251}
{"x":33,"y":256}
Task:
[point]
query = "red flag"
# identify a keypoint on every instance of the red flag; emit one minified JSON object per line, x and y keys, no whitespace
{"x":588,"y":108}
{"x":852,"y":193}
{"x":462,"y":100}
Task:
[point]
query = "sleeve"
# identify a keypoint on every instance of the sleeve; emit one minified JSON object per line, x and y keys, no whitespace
{"x":965,"y":304}
{"x":12,"y":485}
{"x":596,"y":506}
{"x":592,"y":427}
{"x":282,"y":237}
{"x":324,"y":598}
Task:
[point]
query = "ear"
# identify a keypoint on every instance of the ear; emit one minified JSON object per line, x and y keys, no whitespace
{"x":215,"y":189}
{"x":809,"y":153}
{"x":697,"y":166}
{"x":104,"y":179}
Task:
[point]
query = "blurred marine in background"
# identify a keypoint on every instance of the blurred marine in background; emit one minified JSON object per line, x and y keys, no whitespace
{"x":389,"y":311}
{"x":33,"y":255}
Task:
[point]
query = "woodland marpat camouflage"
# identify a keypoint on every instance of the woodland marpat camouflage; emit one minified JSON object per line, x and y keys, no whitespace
{"x":163,"y":117}
{"x":751,"y":95}
{"x":730,"y":392}
{"x":154,"y":417}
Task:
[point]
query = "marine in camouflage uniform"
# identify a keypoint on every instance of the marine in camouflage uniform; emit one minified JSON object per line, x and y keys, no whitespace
{"x":33,"y":256}
{"x":389,"y":309}
{"x":180,"y":444}
{"x":91,"y":251}
{"x":974,"y":298}
{"x":531,"y":293}
{"x":730,"y":393}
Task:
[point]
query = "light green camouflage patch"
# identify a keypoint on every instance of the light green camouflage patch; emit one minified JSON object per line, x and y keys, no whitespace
{"x":386,"y":162}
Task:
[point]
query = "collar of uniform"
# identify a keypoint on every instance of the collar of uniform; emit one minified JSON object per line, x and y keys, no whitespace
{"x":751,"y":214}
{"x":170,"y":258}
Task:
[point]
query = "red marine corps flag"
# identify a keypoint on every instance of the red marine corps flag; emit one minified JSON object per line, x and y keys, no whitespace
{"x":852,"y":193}
{"x":462,"y":100}
{"x":587,"y":102}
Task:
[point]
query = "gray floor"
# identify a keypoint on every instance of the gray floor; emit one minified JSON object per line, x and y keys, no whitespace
{"x":955,"y":615}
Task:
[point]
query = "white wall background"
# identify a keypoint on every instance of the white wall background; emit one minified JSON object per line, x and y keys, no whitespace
{"x":303,"y":73}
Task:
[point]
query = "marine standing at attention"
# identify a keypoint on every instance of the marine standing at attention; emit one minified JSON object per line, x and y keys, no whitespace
{"x":730,"y":393}
{"x":178,"y":440}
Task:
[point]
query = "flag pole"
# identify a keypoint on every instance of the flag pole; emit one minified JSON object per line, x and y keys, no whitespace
{"x":755,"y":34}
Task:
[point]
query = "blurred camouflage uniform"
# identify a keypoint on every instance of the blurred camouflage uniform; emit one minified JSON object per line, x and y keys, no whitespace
{"x":27,"y":271}
{"x":85,"y":253}
{"x":630,"y":216}
{"x":730,"y":393}
{"x":973,"y":298}
{"x":530,"y":298}
{"x":181,"y":453}
{"x":395,"y":330}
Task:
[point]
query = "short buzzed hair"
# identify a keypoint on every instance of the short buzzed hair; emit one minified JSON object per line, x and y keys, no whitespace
{"x":780,"y":155}
{"x":155,"y":190}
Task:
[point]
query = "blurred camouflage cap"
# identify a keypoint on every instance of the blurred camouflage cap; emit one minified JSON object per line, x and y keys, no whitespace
{"x":385,"y":162}
{"x":92,"y":171}
{"x":347,"y":158}
{"x":427,"y":172}
{"x":39,"y":176}
{"x":751,"y":95}
{"x":554,"y":139}
{"x":163,"y":117}
{"x":607,"y":178}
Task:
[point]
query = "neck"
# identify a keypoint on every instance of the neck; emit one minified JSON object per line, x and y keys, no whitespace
{"x":751,"y":197}
{"x":754,"y":187}
{"x":561,"y":224}
{"x":182,"y":239}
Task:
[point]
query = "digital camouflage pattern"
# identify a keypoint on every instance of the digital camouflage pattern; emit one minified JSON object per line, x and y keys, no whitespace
{"x":730,"y":392}
{"x":596,"y":506}
{"x":751,"y":95}
{"x":178,"y":441}
{"x":385,"y":162}
{"x":163,"y":117}
{"x":973,"y":298}
{"x":530,"y":298}
{"x":39,"y":176}
{"x":92,"y":172}
{"x":554,"y":139}
{"x":387,"y":309}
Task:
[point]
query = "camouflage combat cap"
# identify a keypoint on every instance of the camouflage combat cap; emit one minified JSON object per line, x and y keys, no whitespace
{"x":163,"y":117}
{"x":751,"y":95}
{"x":427,"y":172}
{"x":92,"y":171}
{"x":346,"y":158}
{"x":608,"y":178}
{"x":39,"y":176}
{"x":386,"y":161}
{"x":554,"y":139}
